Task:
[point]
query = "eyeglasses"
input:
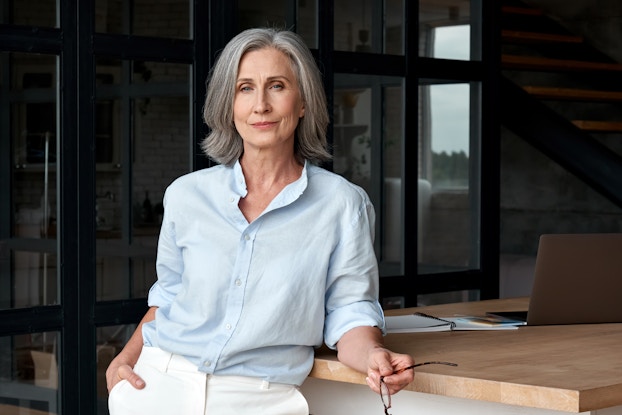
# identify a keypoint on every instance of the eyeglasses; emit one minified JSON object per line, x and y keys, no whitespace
{"x":385,"y":395}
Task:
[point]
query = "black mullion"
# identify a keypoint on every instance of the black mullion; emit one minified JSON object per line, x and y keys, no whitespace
{"x":368,"y":63}
{"x":326,"y":41}
{"x":410,"y":154}
{"x":491,"y":150}
{"x":223,"y":15}
{"x":109,"y":313}
{"x":5,"y":161}
{"x":200,"y":69}
{"x":32,"y":39}
{"x":86,"y":279}
{"x":224,"y":25}
{"x":6,"y":166}
{"x":143,"y":48}
{"x":449,"y":70}
{"x":31,"y":320}
{"x":77,"y":193}
{"x":68,"y":212}
{"x":447,"y":282}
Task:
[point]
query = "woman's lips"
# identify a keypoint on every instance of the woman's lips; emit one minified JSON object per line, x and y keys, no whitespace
{"x":263,"y":124}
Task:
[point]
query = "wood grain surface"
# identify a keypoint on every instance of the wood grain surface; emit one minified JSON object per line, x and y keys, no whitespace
{"x":571,"y":368}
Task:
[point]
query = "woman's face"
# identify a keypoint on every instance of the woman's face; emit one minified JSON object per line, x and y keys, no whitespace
{"x":267,"y":104}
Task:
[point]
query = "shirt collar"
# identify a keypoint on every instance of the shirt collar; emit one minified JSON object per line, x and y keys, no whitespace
{"x":288,"y":195}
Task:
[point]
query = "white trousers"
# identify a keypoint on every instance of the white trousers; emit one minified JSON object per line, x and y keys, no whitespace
{"x":174,"y":386}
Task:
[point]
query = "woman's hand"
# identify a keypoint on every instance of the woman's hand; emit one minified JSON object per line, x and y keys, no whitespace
{"x":121,"y":367}
{"x":362,"y":349}
{"x":387,"y":364}
{"x":119,"y":370}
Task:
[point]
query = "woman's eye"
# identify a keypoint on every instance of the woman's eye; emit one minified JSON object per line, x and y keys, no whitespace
{"x":245,"y":88}
{"x":277,"y":86}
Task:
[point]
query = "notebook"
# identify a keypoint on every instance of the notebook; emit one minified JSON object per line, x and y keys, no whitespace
{"x":577,"y":279}
{"x":421,"y":322}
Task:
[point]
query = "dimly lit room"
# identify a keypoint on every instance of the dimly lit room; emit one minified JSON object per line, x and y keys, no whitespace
{"x":516,"y":109}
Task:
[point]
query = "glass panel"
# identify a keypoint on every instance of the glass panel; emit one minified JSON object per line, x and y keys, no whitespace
{"x":45,"y":15}
{"x":367,"y":145}
{"x":363,"y":26}
{"x":300,"y":16}
{"x":392,"y":219}
{"x":351,"y":141}
{"x":29,"y":381}
{"x":447,"y":297}
{"x":445,"y":29}
{"x":253,"y":13}
{"x":307,"y":22}
{"x":159,"y":18}
{"x":452,"y":42}
{"x":111,"y":16}
{"x":150,"y":72}
{"x":110,"y":341}
{"x":353,"y":27}
{"x":29,"y":276}
{"x":143,"y":110}
{"x":394,"y":27}
{"x":448,"y":193}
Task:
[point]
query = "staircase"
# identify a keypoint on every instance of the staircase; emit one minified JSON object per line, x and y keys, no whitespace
{"x":563,"y":96}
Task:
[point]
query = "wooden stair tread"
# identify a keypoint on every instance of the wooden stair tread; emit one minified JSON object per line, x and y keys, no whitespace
{"x":599,"y":126}
{"x":548,"y":64}
{"x":521,"y":36}
{"x":543,"y":92}
{"x":530,"y":11}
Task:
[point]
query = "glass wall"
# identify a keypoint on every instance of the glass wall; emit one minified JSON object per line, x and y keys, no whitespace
{"x":450,"y":138}
{"x":369,"y":26}
{"x":31,"y":277}
{"x":21,"y":13}
{"x":137,"y":126}
{"x":162,"y":18}
{"x":29,"y":373}
{"x":445,"y":29}
{"x":448,"y":212}
{"x":84,"y":167}
{"x":367,"y":141}
{"x":142,"y":145}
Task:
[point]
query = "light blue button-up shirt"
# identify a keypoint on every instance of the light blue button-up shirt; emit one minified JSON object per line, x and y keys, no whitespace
{"x":255,"y":299}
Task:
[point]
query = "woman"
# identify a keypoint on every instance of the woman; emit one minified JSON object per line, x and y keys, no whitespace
{"x":261,"y":258}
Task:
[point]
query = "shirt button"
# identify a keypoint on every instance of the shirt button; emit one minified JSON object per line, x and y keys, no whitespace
{"x":207,"y":363}
{"x":232,"y":199}
{"x":247,"y":237}
{"x":238,"y":282}
{"x":228,"y":326}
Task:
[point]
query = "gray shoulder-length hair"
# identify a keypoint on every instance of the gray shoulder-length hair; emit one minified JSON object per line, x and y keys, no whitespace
{"x":223,"y":144}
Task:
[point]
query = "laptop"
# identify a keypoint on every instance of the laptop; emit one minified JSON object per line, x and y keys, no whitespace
{"x":577,"y":279}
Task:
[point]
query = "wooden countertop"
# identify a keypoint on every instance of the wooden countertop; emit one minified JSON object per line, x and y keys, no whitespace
{"x":571,"y":368}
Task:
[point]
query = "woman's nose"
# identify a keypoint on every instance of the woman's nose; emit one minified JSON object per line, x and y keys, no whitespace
{"x":262,"y":104}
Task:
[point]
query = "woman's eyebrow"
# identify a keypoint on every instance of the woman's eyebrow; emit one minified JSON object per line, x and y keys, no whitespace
{"x":269,"y":79}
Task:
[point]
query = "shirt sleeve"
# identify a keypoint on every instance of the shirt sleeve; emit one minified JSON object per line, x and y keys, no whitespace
{"x":353,"y":287}
{"x":169,"y":265}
